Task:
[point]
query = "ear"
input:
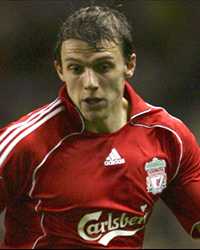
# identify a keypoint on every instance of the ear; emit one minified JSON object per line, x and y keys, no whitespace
{"x":130,"y":66}
{"x":59,"y":70}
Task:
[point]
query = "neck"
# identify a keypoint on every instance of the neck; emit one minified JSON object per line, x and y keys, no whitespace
{"x":117,"y":118}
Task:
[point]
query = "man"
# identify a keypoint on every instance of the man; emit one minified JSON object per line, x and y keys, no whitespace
{"x":86,"y":170}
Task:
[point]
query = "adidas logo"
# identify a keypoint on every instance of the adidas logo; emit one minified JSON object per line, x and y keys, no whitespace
{"x":114,"y":158}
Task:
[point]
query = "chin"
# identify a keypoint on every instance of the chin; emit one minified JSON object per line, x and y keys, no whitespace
{"x":95,"y":116}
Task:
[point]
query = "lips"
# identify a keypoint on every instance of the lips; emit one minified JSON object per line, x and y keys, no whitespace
{"x":94,"y":102}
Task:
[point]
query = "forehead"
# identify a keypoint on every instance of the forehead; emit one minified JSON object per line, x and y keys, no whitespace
{"x":74,"y":48}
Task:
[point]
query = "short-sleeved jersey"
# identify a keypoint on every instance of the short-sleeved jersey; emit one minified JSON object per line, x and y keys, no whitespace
{"x":64,"y":187}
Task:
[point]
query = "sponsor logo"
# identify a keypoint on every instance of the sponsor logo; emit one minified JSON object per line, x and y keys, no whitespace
{"x":156,"y":179}
{"x":114,"y":158}
{"x":93,"y":228}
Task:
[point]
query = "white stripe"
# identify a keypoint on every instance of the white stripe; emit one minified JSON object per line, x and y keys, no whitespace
{"x":46,"y":157}
{"x":42,"y":162}
{"x":154,"y":107}
{"x":173,"y":132}
{"x":144,"y":112}
{"x":25,"y":125}
{"x":157,"y":107}
{"x":27,"y":132}
{"x":43,"y":230}
{"x":31,"y":116}
{"x":38,"y":205}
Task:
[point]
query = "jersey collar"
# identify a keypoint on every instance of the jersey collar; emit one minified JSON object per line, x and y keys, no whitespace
{"x":138,"y":106}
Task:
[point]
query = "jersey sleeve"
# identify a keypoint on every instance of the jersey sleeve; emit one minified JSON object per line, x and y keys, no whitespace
{"x":12,"y":168}
{"x":183,"y":194}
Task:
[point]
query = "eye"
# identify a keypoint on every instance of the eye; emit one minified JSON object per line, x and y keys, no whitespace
{"x":76,"y":69}
{"x":103,"y":67}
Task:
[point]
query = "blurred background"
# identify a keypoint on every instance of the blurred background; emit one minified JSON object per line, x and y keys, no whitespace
{"x":167,"y":40}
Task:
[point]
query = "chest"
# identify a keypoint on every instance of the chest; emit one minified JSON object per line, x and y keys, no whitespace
{"x":127,"y":169}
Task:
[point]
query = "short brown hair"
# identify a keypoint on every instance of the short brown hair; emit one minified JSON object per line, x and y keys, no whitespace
{"x":95,"y":24}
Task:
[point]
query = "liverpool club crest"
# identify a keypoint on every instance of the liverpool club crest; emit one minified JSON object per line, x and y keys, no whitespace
{"x":156,"y":179}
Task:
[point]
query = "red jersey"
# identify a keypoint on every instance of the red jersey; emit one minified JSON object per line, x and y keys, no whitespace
{"x":65,"y":187}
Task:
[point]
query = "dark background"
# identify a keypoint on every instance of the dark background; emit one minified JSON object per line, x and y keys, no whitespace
{"x":167,"y":40}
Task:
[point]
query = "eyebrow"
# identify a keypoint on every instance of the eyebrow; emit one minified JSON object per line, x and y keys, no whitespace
{"x":97,"y":59}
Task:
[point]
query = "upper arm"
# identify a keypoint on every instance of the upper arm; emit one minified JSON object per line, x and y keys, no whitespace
{"x":10,"y":171}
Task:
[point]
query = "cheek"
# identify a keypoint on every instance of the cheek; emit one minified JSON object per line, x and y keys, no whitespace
{"x":117,"y":85}
{"x":73,"y":91}
{"x":117,"y":77}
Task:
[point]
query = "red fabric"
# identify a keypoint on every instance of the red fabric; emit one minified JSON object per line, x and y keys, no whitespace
{"x":60,"y":171}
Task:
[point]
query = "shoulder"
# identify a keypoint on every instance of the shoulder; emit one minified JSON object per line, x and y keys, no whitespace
{"x":29,"y":132}
{"x":174,"y":136}
{"x":172,"y":133}
{"x":158,"y":117}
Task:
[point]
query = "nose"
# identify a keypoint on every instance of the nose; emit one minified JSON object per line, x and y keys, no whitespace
{"x":90,"y":80}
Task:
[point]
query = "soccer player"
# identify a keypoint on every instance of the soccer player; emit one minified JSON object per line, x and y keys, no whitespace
{"x":86,"y":170}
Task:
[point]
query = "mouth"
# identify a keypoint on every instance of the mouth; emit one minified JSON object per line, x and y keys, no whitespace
{"x":94,"y":102}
